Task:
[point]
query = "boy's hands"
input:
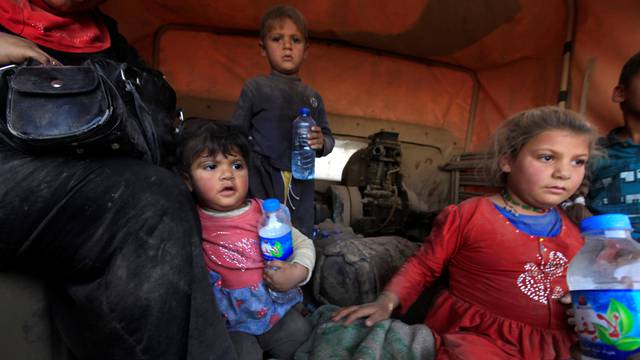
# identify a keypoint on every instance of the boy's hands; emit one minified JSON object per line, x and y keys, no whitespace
{"x":15,"y":50}
{"x":378,"y":310}
{"x":316,"y":138}
{"x":283,"y":275}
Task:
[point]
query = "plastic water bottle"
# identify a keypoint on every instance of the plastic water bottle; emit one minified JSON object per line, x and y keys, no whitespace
{"x":604,"y":280}
{"x":303,"y":157}
{"x":274,"y":231}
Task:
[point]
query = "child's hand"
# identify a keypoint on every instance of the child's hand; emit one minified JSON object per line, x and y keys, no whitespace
{"x":283,"y":276}
{"x":378,"y":310}
{"x":316,"y":138}
{"x":571,"y":316}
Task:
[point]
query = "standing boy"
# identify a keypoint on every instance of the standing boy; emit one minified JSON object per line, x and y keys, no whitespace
{"x":616,"y":177}
{"x":268,"y":105}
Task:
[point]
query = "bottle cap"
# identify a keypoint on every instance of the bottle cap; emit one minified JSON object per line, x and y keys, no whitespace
{"x":606,"y":222}
{"x":271,"y":205}
{"x":304,"y":111}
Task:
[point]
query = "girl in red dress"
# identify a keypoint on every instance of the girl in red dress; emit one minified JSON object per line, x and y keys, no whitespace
{"x":506,"y":254}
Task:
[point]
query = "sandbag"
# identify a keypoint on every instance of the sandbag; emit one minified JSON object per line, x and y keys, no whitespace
{"x":329,"y":232}
{"x":354,"y":271}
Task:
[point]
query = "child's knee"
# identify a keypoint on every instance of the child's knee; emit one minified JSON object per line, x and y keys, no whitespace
{"x":298,"y":327}
{"x":246,"y":346}
{"x":287,"y":335}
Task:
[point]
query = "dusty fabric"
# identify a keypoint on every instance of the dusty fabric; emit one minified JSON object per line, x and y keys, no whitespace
{"x":389,"y":339}
{"x":117,"y":241}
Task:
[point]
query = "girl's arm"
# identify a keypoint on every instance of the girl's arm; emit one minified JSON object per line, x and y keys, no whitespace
{"x":416,"y":274}
{"x":427,"y":264}
{"x":304,"y":253}
{"x":285,"y":275}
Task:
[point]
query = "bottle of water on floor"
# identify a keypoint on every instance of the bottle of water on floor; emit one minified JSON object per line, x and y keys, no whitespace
{"x":303,"y":157}
{"x":604,"y":280}
{"x":274,"y":231}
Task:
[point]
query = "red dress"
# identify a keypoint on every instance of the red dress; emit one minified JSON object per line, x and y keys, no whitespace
{"x":504,"y":286}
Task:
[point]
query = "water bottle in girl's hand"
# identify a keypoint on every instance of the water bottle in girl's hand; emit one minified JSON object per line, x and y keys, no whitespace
{"x":303,"y":157}
{"x":274,"y":231}
{"x":604,"y":280}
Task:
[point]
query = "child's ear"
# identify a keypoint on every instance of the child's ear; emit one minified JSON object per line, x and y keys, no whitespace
{"x":618,"y":95}
{"x":263,"y":51}
{"x":505,"y":163}
{"x":187,"y":180}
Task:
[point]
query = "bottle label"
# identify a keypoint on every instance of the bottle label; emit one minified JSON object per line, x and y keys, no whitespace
{"x":607,"y":322}
{"x":279,"y":248}
{"x":303,"y":164}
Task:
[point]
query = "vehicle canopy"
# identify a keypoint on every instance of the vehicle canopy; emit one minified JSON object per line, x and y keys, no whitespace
{"x":462,"y":65}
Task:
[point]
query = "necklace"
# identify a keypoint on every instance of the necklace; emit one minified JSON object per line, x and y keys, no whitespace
{"x":510,"y":203}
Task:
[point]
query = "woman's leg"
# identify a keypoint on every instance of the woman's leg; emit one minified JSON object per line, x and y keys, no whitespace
{"x":118,"y":242}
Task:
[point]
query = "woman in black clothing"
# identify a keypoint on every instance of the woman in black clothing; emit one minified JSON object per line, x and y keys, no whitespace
{"x":116,"y":239}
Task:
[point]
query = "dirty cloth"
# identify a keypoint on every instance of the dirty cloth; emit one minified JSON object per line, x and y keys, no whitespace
{"x":388,"y":339}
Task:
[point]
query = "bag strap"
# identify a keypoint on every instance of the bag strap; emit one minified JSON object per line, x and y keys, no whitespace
{"x":7,"y":68}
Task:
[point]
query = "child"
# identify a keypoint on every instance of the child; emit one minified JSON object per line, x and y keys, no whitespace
{"x":615,"y":178}
{"x":268,"y":105}
{"x":213,"y":162}
{"x":507,"y":254}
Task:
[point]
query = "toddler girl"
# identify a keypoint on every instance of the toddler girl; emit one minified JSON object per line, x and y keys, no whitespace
{"x":213,"y":162}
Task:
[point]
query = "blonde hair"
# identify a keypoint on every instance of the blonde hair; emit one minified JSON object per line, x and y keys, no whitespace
{"x":520,"y":128}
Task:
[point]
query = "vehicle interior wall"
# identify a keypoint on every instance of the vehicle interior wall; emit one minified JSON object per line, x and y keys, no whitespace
{"x":415,"y":33}
{"x":457,"y":66}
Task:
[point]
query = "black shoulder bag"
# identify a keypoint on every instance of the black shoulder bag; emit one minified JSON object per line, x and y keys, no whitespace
{"x":100,"y":108}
